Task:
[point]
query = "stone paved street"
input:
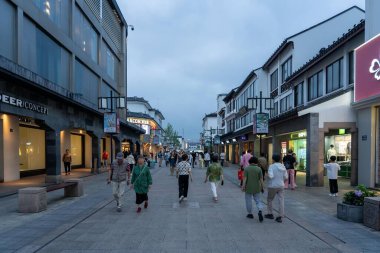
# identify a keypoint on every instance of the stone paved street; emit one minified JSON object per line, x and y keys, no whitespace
{"x":91,"y":223}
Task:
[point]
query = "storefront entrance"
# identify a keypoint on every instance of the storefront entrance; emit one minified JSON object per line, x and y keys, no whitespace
{"x":338,"y":143}
{"x":77,"y":150}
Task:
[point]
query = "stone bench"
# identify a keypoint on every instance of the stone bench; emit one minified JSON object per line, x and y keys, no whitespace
{"x":371,"y":212}
{"x":34,"y":199}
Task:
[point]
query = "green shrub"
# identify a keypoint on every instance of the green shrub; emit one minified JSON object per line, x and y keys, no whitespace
{"x":356,"y":197}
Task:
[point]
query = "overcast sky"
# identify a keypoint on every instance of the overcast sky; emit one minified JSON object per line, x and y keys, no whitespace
{"x":183,"y":53}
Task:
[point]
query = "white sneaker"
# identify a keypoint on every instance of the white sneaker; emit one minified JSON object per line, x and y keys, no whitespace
{"x":336,"y":195}
{"x":180,"y":199}
{"x":185,"y":199}
{"x":330,"y":194}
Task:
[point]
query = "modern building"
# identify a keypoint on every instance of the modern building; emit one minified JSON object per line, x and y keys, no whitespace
{"x":309,"y":72}
{"x":239,"y":136}
{"x":56,"y":59}
{"x":209,"y":130}
{"x":367,"y":98}
{"x":141,"y":113}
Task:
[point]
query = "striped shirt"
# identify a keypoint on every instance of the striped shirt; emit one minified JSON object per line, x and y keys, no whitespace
{"x":184,"y":168}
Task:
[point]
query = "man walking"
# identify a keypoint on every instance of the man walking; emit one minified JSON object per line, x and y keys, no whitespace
{"x":222,"y":158}
{"x":276,"y":176}
{"x":253,"y":186}
{"x":214,"y":174}
{"x":119,"y":175}
{"x":207,"y":159}
{"x":289,"y":163}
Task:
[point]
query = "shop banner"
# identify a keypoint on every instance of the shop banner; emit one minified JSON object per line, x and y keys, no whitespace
{"x":260,"y":123}
{"x":111,"y":123}
{"x":367,"y":69}
{"x":216,"y":139}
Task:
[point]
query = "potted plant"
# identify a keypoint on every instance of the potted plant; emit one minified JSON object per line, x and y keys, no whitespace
{"x":351,"y":209}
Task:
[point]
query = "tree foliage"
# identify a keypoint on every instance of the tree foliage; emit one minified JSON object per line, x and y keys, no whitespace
{"x":171,"y":135}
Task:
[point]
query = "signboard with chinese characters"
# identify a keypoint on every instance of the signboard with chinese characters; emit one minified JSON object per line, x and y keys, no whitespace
{"x":260,"y":123}
{"x":111,"y":123}
{"x":367,"y":69}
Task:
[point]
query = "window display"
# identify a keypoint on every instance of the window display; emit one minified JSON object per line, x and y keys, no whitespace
{"x":32,"y":149}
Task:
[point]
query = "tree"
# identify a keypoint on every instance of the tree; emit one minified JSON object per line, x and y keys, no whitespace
{"x":171,"y":135}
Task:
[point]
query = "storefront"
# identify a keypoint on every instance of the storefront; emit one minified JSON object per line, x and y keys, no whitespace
{"x":297,"y":143}
{"x":367,"y":103}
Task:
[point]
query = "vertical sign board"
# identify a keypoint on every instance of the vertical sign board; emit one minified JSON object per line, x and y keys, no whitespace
{"x":367,"y":69}
{"x":111,"y":123}
{"x":261,"y":123}
{"x":216,"y":139}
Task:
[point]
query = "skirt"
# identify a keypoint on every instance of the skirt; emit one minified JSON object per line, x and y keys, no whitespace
{"x":141,"y":197}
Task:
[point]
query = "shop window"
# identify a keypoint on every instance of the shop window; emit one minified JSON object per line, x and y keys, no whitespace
{"x":274,"y":112}
{"x":315,"y":86}
{"x":274,"y":80}
{"x":286,"y":69}
{"x":32,"y":149}
{"x":338,"y":143}
{"x":334,"y":76}
{"x":76,"y":150}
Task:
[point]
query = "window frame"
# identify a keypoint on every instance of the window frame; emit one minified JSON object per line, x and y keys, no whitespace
{"x":299,"y":96}
{"x":286,"y":64}
{"x":332,"y":87}
{"x":318,"y":75}
{"x":351,"y":68}
{"x":274,"y":85}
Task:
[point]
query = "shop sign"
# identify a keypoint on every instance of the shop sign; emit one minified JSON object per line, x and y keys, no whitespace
{"x":367,"y":69}
{"x":156,"y":140}
{"x":299,"y":135}
{"x":138,"y":121}
{"x":243,"y":138}
{"x":260,"y":123}
{"x":111,"y":123}
{"x":217,"y":139}
{"x":23,"y":104}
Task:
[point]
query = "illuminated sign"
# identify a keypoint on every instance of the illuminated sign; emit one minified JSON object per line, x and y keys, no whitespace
{"x":367,"y":69}
{"x":139,"y":121}
{"x":23,"y":104}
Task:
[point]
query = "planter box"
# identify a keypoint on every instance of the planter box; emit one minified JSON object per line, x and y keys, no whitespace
{"x":350,"y":213}
{"x":372,"y":212}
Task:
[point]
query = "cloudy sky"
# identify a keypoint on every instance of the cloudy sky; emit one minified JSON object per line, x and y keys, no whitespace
{"x":183,"y":53}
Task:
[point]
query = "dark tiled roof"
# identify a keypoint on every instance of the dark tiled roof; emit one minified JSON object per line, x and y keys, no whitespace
{"x":358,"y":28}
{"x":139,"y":115}
{"x":246,"y":80}
{"x":213,"y":114}
{"x":158,"y":112}
{"x":230,"y":95}
{"x":286,"y":42}
{"x":137,"y":99}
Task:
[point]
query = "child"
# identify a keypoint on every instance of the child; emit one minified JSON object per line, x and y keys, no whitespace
{"x":332,"y":174}
{"x":241,"y":175}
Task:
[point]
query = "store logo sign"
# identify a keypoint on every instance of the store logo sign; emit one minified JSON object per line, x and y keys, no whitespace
{"x":367,"y":69}
{"x":23,"y":104}
{"x":375,"y":69}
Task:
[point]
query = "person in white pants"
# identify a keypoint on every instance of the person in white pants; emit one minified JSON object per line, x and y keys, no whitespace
{"x":214,"y":175}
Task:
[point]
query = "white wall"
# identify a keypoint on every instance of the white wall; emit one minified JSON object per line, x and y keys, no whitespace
{"x":337,"y":109}
{"x":372,"y":17}
{"x":137,"y":107}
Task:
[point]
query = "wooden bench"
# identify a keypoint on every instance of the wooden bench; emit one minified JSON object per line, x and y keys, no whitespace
{"x":34,"y":199}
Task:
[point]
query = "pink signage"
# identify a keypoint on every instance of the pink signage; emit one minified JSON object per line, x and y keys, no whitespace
{"x":367,"y":69}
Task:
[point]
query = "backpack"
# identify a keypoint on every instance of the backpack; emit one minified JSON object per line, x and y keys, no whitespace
{"x":287,"y":165}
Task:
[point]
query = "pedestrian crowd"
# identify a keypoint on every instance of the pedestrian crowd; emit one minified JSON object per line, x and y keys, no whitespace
{"x":253,"y":172}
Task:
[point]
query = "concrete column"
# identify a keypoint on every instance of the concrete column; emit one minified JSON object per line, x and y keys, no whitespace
{"x":354,"y":157}
{"x":53,"y":156}
{"x":10,"y":141}
{"x":88,"y":151}
{"x":96,"y":151}
{"x":65,"y":144}
{"x":366,"y":119}
{"x":314,"y":154}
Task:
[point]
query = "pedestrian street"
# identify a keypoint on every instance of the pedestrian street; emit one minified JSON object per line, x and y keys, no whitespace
{"x":92,"y":224}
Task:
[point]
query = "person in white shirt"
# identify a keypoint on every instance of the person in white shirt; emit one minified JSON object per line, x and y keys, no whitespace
{"x":332,"y":174}
{"x":207,"y":159}
{"x":222,"y":157}
{"x":331,"y":152}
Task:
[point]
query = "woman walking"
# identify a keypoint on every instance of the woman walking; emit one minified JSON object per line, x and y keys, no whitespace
{"x":66,"y":159}
{"x":141,"y":183}
{"x":183,"y":174}
{"x":214,"y":174}
{"x":173,"y":161}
